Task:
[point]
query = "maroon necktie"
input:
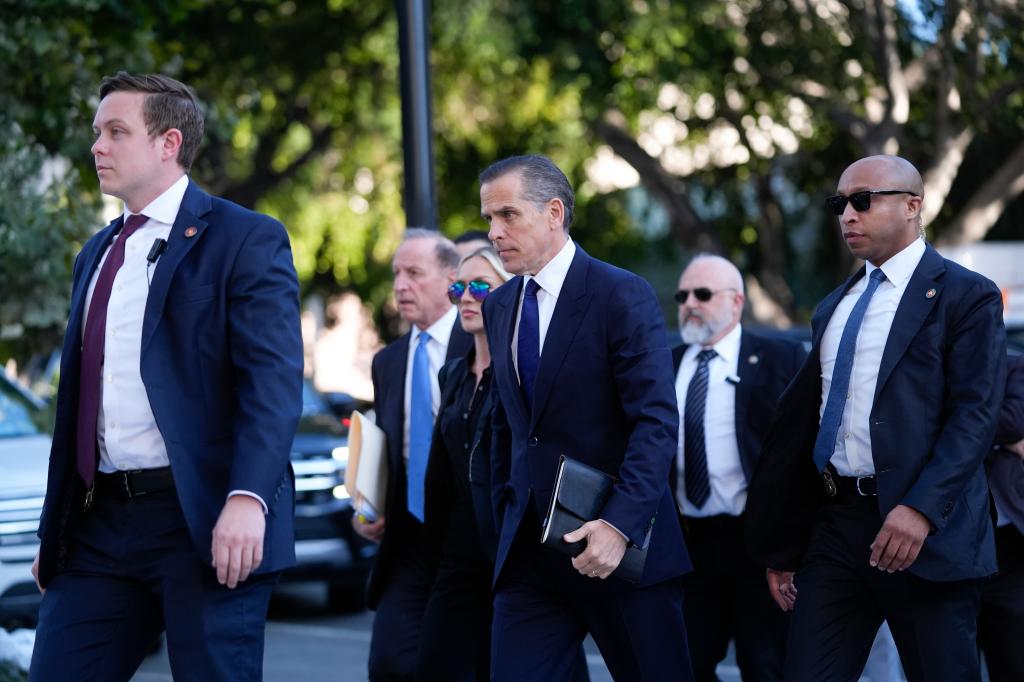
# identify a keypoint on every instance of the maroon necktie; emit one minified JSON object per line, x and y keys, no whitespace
{"x":89,"y":387}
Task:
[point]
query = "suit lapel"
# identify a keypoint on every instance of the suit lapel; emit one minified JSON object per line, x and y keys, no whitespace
{"x":911,"y":313}
{"x":90,"y":261}
{"x":506,"y":307}
{"x":747,"y":366}
{"x":194,"y":204}
{"x":565,"y":320}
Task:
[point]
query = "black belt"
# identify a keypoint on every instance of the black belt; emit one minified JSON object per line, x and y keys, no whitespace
{"x":124,"y":485}
{"x":837,"y":486}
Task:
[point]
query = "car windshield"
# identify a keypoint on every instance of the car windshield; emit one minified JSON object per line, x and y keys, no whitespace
{"x":15,"y":414}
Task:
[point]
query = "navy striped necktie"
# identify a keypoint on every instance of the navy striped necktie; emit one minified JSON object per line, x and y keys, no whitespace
{"x":695,"y":459}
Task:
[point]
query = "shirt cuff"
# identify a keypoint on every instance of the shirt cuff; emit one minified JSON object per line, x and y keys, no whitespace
{"x":624,"y":536}
{"x":252,"y":495}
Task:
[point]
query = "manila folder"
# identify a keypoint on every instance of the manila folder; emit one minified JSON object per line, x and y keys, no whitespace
{"x":366,"y":475}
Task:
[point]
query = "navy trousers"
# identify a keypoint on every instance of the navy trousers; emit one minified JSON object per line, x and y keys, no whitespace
{"x":842,"y":601}
{"x":1001,"y":624}
{"x":132,"y":572}
{"x":541,"y":616}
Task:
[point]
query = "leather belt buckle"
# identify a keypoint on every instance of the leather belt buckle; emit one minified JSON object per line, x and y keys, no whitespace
{"x":126,"y":478}
{"x":861,"y":491}
{"x":830,"y":483}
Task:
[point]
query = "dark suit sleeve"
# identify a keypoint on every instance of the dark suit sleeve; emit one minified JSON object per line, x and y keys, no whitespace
{"x":975,"y":364}
{"x":1010,"y":427}
{"x":501,"y":458}
{"x":641,"y":365}
{"x":266,"y":354}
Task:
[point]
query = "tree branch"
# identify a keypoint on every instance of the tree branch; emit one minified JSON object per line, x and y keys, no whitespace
{"x":983,"y":209}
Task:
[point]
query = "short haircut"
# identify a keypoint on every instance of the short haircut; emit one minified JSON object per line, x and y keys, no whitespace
{"x":472,"y":236}
{"x":168,"y":104}
{"x":444,"y":249}
{"x":542,"y":181}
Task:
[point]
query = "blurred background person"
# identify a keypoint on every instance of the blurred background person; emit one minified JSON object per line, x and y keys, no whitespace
{"x":1001,"y":623}
{"x":728,"y":380}
{"x":471,"y":241}
{"x":406,"y":399}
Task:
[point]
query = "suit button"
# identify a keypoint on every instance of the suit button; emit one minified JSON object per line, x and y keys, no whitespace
{"x":533,"y":442}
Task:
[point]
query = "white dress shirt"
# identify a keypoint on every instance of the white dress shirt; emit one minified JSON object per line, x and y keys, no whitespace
{"x":126,"y":430}
{"x":437,"y":350}
{"x":550,"y":280}
{"x":725,"y":471}
{"x":852,"y":455}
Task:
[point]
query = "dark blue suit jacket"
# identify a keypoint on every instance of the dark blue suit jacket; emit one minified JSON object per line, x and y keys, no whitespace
{"x":766,"y":366}
{"x":1005,"y":468}
{"x":604,"y":396}
{"x":222,"y":366}
{"x":388,"y":374}
{"x":938,"y":393}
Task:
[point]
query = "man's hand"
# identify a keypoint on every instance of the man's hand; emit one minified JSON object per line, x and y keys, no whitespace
{"x":238,"y":540}
{"x":35,"y":574}
{"x":605,"y":547}
{"x":371,"y":531}
{"x":1016,"y":448}
{"x":780,"y":584}
{"x":900,"y":540}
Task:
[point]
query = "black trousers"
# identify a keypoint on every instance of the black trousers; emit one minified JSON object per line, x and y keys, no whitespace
{"x":1001,"y":623}
{"x":842,"y":601}
{"x":727,"y":599}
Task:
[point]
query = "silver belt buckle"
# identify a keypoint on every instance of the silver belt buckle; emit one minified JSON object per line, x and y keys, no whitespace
{"x":859,"y":491}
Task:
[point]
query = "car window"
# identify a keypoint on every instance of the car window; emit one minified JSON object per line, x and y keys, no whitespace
{"x":15,"y":414}
{"x":312,"y":401}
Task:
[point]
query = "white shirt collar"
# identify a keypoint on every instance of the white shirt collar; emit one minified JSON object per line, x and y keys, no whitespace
{"x":165,"y":207}
{"x":440,"y":331}
{"x":900,"y":267}
{"x":552,"y":276}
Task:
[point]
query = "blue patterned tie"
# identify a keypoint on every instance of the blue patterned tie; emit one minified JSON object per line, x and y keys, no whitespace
{"x":421,"y":427}
{"x":838,"y":391}
{"x":529,"y":340}
{"x":698,"y":484}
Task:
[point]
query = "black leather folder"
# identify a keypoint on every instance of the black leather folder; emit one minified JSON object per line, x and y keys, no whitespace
{"x":580,"y":493}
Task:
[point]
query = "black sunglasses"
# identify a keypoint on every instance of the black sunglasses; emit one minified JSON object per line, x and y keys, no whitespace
{"x":702,"y":294}
{"x":861,"y":201}
{"x":478,"y":289}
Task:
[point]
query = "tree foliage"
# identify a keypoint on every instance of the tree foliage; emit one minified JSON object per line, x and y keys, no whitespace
{"x":733,"y":120}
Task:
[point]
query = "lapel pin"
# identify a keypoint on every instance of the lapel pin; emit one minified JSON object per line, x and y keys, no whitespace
{"x":753,"y":360}
{"x":930,"y":293}
{"x":191,"y":232}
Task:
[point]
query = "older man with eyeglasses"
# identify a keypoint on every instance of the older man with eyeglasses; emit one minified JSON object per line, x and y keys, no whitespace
{"x":870,"y":497}
{"x":728,"y":380}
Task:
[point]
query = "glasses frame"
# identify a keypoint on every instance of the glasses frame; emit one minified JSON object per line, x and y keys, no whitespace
{"x":861,"y":201}
{"x":702,"y":294}
{"x":478,"y":290}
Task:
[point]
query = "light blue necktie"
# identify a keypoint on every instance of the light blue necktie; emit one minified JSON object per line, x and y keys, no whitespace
{"x":421,"y":427}
{"x":832,"y":417}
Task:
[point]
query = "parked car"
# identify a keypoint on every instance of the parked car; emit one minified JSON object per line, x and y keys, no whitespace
{"x":24,"y":458}
{"x":326,"y":546}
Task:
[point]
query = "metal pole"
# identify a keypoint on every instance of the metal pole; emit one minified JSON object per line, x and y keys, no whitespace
{"x":417,"y":122}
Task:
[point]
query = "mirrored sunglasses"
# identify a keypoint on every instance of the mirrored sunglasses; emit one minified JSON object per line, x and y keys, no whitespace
{"x":861,"y":201}
{"x":478,"y":289}
{"x":702,"y":294}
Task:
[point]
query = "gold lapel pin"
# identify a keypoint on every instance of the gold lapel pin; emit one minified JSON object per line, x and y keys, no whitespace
{"x":930,"y":293}
{"x":191,"y":232}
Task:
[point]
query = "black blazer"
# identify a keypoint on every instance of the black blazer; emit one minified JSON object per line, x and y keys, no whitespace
{"x":388,"y":373}
{"x":939,"y":389}
{"x":766,"y":366}
{"x":1005,"y":469}
{"x":439,"y":487}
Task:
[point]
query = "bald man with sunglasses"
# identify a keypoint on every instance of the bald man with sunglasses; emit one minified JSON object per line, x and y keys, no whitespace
{"x":728,"y":380}
{"x":870,"y":501}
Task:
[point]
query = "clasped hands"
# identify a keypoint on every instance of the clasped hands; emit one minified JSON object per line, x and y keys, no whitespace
{"x":895,"y":548}
{"x":605,"y":547}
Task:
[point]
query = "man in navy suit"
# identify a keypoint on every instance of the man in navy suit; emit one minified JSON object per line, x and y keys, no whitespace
{"x":170,"y":497}
{"x":424,"y":265}
{"x":871,"y":485}
{"x":728,"y":380}
{"x":1001,"y":624}
{"x":581,"y":368}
